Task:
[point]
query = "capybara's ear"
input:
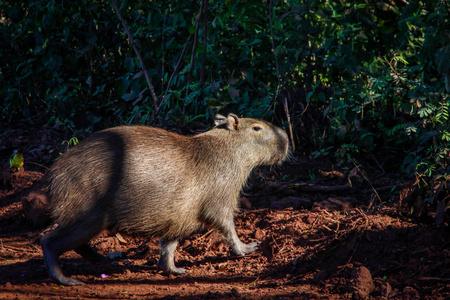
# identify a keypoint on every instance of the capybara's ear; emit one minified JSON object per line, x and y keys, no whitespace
{"x":231,"y":122}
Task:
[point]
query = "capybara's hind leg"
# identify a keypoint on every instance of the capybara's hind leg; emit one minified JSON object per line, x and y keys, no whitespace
{"x":53,"y":245}
{"x":166,"y":260}
{"x":63,"y":239}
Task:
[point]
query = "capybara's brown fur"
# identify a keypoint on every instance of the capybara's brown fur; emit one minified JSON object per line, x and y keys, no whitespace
{"x":149,"y":181}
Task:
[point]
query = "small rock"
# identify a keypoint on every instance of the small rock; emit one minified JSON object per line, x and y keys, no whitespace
{"x":361,"y":283}
{"x":114,"y":255}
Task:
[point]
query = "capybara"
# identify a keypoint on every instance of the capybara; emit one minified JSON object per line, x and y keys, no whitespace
{"x":152,"y":182}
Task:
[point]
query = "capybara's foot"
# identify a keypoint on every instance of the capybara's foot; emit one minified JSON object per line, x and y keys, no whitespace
{"x":166,"y":261}
{"x":246,"y":248}
{"x":167,"y":269}
{"x":66,"y":280}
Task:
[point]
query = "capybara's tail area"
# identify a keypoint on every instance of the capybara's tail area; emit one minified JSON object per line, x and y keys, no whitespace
{"x":36,"y":207}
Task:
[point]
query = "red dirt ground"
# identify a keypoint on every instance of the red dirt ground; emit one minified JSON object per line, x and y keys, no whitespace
{"x":317,"y":241}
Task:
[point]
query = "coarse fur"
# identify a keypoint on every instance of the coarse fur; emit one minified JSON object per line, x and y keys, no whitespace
{"x":149,"y":181}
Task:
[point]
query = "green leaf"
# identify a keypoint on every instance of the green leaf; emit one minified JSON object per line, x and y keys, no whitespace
{"x":278,"y":25}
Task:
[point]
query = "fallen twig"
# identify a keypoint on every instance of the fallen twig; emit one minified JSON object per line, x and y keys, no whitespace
{"x":36,"y":164}
{"x":15,"y":249}
{"x":206,"y":234}
{"x":311,"y":187}
{"x":314,"y":223}
{"x":435,"y":278}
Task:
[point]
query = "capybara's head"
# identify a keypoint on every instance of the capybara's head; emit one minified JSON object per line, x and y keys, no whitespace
{"x":257,"y":142}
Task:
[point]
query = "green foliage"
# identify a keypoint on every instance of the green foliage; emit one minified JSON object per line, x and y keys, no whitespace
{"x":71,"y":142}
{"x":376,"y":74}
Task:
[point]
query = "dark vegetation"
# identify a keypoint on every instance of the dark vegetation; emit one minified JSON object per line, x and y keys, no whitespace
{"x":362,"y":83}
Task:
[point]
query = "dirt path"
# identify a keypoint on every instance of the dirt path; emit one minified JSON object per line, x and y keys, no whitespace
{"x":318,"y":244}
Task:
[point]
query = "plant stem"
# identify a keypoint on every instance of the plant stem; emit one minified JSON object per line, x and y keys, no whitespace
{"x":141,"y":60}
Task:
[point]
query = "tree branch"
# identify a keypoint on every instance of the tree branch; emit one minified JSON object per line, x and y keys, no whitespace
{"x":205,"y":36}
{"x":171,"y":78}
{"x":194,"y":47}
{"x":141,"y":60}
{"x":273,"y":50}
{"x":276,"y":59}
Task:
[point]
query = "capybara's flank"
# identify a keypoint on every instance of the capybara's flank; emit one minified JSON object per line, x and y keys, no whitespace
{"x":149,"y":181}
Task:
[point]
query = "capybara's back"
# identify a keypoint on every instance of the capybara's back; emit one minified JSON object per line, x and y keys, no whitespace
{"x":130,"y":178}
{"x":149,"y":181}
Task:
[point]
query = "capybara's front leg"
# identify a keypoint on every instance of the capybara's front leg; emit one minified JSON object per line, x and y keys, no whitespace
{"x":166,"y":260}
{"x":239,"y":248}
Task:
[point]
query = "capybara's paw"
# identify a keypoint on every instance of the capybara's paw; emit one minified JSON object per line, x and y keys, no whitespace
{"x":170,"y":269}
{"x":246,"y":248}
{"x":67,"y":281}
{"x":251,"y":247}
{"x":178,"y":271}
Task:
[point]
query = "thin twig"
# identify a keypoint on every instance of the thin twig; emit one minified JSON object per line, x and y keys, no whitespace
{"x":254,"y":282}
{"x":288,"y":116}
{"x":15,"y":249}
{"x":276,"y":244}
{"x":194,"y":47}
{"x":33,"y":163}
{"x":163,"y":49}
{"x":169,"y":84}
{"x":368,"y":181}
{"x":206,"y":234}
{"x":283,"y":83}
{"x":357,"y":238}
{"x":35,"y":247}
{"x":141,"y":60}
{"x":314,"y":223}
{"x":276,"y":59}
{"x":435,"y":279}
{"x":309,"y":187}
{"x":205,"y":37}
{"x":273,"y":50}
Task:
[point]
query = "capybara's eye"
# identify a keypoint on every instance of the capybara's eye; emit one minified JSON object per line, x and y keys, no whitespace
{"x":257,"y":128}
